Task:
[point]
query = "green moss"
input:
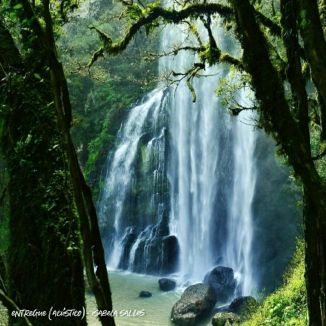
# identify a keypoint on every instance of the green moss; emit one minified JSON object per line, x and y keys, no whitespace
{"x":287,"y":306}
{"x":303,"y":19}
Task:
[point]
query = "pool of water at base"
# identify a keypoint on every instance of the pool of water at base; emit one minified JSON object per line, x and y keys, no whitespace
{"x":133,"y":310}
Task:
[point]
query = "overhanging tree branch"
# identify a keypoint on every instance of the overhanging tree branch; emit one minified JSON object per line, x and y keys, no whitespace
{"x":171,"y":16}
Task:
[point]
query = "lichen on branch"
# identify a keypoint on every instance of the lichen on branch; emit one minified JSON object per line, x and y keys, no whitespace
{"x":145,"y":17}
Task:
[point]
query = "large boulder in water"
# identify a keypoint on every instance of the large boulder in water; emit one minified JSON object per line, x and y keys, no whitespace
{"x":225,"y":319}
{"x":222,"y":280}
{"x":196,"y":302}
{"x":166,"y":284}
{"x":243,"y":306}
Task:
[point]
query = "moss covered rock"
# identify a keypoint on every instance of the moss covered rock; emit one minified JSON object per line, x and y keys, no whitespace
{"x":225,"y":319}
{"x":196,"y":301}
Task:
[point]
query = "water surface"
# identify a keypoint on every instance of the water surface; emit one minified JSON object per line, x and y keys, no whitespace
{"x":125,"y":289}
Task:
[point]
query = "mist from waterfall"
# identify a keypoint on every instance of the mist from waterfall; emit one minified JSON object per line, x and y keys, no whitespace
{"x":209,"y":165}
{"x":240,"y":225}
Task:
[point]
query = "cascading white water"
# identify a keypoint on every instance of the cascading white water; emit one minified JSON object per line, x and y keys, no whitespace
{"x":211,"y":173}
{"x":202,"y":133}
{"x":120,"y":173}
{"x":240,"y":220}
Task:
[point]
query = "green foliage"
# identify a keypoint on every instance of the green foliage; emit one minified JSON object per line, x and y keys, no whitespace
{"x":317,"y":146}
{"x":101,"y":97}
{"x":287,"y":306}
{"x":134,"y":12}
{"x":229,"y":88}
{"x":303,"y":19}
{"x":39,"y":232}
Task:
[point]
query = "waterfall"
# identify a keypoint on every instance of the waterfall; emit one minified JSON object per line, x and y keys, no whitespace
{"x":120,"y":172}
{"x":240,"y":220}
{"x":198,"y":167}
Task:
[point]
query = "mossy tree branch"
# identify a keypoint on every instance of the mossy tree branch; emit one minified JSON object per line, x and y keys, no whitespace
{"x":315,"y":49}
{"x":172,"y":16}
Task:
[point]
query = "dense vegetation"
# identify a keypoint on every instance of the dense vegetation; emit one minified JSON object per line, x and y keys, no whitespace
{"x":287,"y":305}
{"x":48,"y":228}
{"x":101,"y":96}
{"x":45,"y":184}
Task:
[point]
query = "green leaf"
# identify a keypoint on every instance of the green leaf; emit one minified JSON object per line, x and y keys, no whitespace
{"x":18,"y":6}
{"x":37,"y":76}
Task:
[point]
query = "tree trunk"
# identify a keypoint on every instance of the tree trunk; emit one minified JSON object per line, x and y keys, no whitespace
{"x":277,"y":117}
{"x":93,"y":251}
{"x":44,"y":259}
{"x":315,"y":50}
{"x":315,"y":253}
{"x":294,"y":68}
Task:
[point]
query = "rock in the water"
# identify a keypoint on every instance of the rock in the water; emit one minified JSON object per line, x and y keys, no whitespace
{"x":160,"y":257}
{"x":222,"y":280}
{"x":243,"y":306}
{"x":171,"y":249}
{"x":225,"y":319}
{"x":145,"y":294}
{"x":126,"y":243}
{"x":196,"y":301}
{"x":166,"y":284}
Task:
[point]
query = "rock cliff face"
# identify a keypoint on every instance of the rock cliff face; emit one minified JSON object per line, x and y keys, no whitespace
{"x":135,"y":202}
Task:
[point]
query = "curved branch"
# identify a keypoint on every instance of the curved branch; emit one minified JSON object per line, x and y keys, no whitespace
{"x":174,"y":52}
{"x":11,"y":305}
{"x":236,"y":110}
{"x":175,"y":17}
{"x":169,"y":15}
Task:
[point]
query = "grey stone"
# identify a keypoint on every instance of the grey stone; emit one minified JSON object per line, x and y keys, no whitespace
{"x":195,"y":303}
